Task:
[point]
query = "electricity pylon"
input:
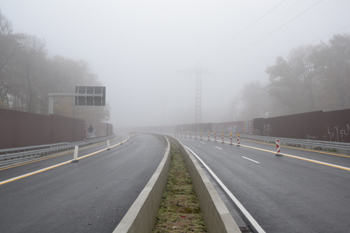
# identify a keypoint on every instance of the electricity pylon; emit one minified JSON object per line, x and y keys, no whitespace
{"x":198,"y":71}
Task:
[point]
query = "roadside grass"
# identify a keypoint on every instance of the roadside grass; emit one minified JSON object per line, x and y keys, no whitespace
{"x":179,"y":210}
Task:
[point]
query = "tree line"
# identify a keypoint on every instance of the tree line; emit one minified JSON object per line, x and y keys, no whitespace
{"x":312,"y":77}
{"x":28,"y":74}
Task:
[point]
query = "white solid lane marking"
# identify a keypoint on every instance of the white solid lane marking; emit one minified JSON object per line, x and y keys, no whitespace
{"x":202,"y":142}
{"x":250,"y":159}
{"x":218,"y":148}
{"x":234,"y":199}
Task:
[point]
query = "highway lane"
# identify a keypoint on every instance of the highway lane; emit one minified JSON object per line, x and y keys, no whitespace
{"x":89,"y":196}
{"x":283,"y":194}
{"x":50,"y":160}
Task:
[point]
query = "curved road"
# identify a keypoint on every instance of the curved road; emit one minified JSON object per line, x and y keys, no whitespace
{"x":283,"y":194}
{"x":92,"y":195}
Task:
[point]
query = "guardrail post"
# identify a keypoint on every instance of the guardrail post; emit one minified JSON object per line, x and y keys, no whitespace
{"x":76,"y":149}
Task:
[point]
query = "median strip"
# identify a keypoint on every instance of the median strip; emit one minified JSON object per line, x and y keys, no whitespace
{"x":179,"y":210}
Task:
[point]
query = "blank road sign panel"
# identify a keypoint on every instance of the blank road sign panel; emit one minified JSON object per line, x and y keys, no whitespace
{"x":90,"y":96}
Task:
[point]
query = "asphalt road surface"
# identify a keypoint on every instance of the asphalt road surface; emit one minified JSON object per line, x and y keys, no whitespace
{"x":283,"y":194}
{"x":92,"y":195}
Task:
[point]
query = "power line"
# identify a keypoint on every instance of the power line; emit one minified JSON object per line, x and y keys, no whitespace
{"x":332,"y":33}
{"x":279,"y":27}
{"x":228,"y":41}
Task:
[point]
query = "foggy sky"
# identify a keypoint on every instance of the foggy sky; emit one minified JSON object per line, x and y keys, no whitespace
{"x":137,"y":47}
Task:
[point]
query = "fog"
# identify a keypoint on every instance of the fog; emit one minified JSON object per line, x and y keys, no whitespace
{"x":142,"y":50}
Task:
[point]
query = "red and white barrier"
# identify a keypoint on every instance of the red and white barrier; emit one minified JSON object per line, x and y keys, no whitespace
{"x":238,"y":141}
{"x":231,"y":139}
{"x":215,"y":137}
{"x":222,"y":137}
{"x":278,"y":148}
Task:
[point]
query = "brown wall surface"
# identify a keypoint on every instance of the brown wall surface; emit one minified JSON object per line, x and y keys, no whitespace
{"x":19,"y":129}
{"x":318,"y":125}
{"x":226,"y":127}
{"x":66,"y":129}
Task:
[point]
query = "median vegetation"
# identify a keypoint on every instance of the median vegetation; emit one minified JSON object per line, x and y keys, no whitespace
{"x":179,"y":210}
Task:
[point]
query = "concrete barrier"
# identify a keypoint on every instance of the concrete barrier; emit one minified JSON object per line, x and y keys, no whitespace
{"x":216,"y":216}
{"x":142,"y":214}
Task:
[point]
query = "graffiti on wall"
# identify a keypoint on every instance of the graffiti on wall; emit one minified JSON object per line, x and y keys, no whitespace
{"x":227,"y":128}
{"x":267,"y":130}
{"x":234,"y":127}
{"x":337,"y":134}
{"x":311,"y":137}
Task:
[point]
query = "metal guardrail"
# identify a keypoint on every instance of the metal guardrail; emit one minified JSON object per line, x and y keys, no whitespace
{"x":14,"y":155}
{"x":312,"y":144}
{"x":28,"y":148}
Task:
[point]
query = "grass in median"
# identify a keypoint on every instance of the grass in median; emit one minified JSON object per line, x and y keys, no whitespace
{"x":179,"y":210}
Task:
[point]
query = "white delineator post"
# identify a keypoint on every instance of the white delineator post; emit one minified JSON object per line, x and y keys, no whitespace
{"x":75,"y":156}
{"x":108,"y":147}
{"x":231,"y":139}
{"x":238,"y":141}
{"x":278,"y":148}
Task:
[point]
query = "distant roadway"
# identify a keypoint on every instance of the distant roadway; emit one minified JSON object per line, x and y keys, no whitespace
{"x":283,"y":194}
{"x":92,"y":195}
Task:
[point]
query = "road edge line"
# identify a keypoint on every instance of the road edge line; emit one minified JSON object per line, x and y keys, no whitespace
{"x":216,"y":216}
{"x":252,"y":221}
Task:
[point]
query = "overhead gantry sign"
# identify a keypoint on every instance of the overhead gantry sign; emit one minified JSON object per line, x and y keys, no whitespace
{"x":84,"y":96}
